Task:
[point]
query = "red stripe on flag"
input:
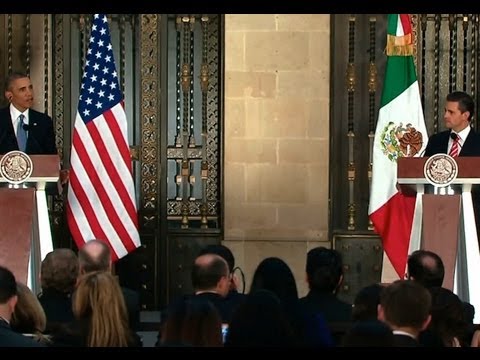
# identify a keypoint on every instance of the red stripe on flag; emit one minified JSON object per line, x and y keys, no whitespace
{"x":104,"y":197}
{"x":118,"y":138}
{"x":406,"y":23}
{"x":111,"y":169}
{"x":84,"y":202}
{"x":393,"y":222}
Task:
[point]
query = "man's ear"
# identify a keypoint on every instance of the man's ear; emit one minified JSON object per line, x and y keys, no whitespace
{"x":12,"y":302}
{"x":380,"y":313}
{"x":8,"y":95}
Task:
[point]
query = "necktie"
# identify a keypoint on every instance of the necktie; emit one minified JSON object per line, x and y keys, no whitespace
{"x":21,"y":134}
{"x":454,"y":150}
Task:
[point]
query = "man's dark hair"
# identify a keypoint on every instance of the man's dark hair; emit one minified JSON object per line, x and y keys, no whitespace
{"x":8,"y":285}
{"x":206,"y":274}
{"x":222,"y":251}
{"x":59,"y":270}
{"x":426,"y":268}
{"x":89,"y":264}
{"x":406,"y":303}
{"x":324,"y":269}
{"x":465,"y":102}
{"x":12,"y":77}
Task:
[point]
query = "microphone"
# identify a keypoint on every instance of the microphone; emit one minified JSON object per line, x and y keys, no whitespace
{"x":26,"y":127}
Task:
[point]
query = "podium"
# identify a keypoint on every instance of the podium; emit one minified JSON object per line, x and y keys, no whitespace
{"x":25,"y":234}
{"x":444,"y":222}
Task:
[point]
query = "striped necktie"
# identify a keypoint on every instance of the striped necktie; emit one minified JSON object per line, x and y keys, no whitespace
{"x":21,"y":134}
{"x":454,"y":150}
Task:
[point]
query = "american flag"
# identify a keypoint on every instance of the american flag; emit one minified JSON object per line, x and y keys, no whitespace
{"x":101,"y":195}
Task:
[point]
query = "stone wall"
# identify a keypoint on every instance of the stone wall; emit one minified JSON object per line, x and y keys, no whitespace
{"x":276,"y":138}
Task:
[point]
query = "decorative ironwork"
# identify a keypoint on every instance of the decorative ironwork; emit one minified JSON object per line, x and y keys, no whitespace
{"x":473,"y":58}
{"x":46,"y":74}
{"x":372,"y":89}
{"x":350,"y":121}
{"x":436,"y":81}
{"x":9,"y":42}
{"x":423,"y":22}
{"x":465,"y":55}
{"x":122,"y":53}
{"x":27,"y":44}
{"x":148,"y":112}
{"x":452,"y":25}
{"x":193,"y":148}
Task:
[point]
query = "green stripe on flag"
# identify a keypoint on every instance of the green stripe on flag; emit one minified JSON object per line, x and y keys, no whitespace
{"x":392,"y":24}
{"x":399,"y":75}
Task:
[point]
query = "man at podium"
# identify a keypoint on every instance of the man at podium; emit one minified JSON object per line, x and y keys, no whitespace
{"x":460,"y":139}
{"x":22,"y":128}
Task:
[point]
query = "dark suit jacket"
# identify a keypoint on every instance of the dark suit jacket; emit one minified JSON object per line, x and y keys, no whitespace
{"x":41,"y":136}
{"x":9,"y":338}
{"x":438,"y":143}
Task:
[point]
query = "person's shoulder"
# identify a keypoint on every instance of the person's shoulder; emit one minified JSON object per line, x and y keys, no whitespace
{"x":38,"y":114}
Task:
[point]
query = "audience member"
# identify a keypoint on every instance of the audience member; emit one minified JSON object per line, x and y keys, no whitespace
{"x":95,"y":255}
{"x":58,"y":275}
{"x":260,"y":322}
{"x":192,"y":322}
{"x":405,"y":307}
{"x":274,"y":274}
{"x":28,"y":317}
{"x":8,"y":301}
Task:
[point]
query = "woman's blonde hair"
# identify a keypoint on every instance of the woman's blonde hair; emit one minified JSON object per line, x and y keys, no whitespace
{"x":99,"y":300}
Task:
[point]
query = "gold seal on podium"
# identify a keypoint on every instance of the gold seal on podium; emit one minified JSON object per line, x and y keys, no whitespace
{"x":16,"y":167}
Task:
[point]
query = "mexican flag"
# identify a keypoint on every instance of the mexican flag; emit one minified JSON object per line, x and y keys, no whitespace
{"x":400,"y":132}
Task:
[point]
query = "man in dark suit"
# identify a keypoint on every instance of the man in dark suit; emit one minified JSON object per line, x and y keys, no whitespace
{"x":18,"y":121}
{"x":459,"y":109}
{"x":8,"y":301}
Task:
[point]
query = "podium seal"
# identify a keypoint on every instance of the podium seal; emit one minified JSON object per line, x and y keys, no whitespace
{"x":16,"y":167}
{"x":440,"y":170}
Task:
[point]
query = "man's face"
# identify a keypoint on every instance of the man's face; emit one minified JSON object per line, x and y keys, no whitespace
{"x":454,"y":118}
{"x":20,"y":93}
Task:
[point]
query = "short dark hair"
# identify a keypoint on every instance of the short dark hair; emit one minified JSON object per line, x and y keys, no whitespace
{"x":12,"y":77}
{"x":8,"y":285}
{"x":206,"y":275}
{"x":465,"y":102}
{"x":59,"y":270}
{"x":424,"y":271}
{"x":220,"y":250}
{"x":324,"y":269}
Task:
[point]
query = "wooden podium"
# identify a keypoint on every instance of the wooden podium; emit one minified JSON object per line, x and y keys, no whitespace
{"x":25,"y":234}
{"x":444,"y":222}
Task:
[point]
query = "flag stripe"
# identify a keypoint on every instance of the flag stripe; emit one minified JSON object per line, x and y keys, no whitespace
{"x":400,"y":75}
{"x":406,"y":24}
{"x":395,"y":228}
{"x":392,"y":24}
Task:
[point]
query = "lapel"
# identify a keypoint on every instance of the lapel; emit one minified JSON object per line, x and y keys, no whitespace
{"x":468,"y":144}
{"x":7,"y":133}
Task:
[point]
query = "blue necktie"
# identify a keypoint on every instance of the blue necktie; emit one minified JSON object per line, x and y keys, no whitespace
{"x":21,"y":134}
